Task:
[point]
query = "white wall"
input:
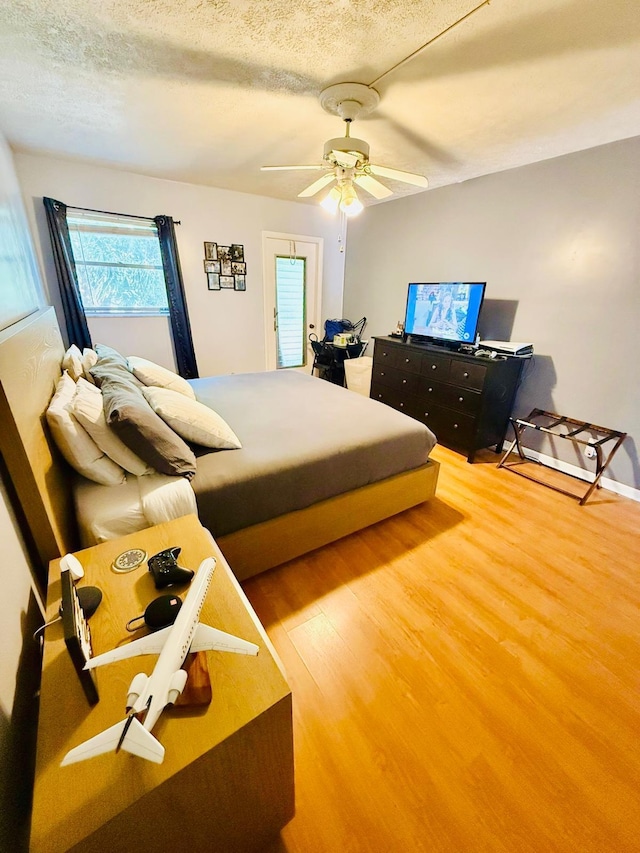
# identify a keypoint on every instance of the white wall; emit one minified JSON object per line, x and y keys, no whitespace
{"x":227,"y":326}
{"x":20,"y":293}
{"x":560,"y":241}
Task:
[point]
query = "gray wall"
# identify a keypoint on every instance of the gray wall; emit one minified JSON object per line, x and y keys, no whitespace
{"x":558,"y":243}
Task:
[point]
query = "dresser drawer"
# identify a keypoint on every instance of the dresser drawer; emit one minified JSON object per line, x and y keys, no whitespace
{"x":460,"y":399}
{"x":467,"y":374}
{"x":435,"y":366}
{"x":450,"y":427}
{"x":384,"y":354}
{"x":395,"y":378}
{"x":409,"y":360}
{"x":393,"y":397}
{"x":443,"y":394}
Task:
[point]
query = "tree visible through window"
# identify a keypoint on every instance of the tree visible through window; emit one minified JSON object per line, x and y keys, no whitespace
{"x":118,"y":263}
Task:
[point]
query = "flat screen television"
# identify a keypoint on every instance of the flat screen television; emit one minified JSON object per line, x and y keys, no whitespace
{"x":444,"y":311}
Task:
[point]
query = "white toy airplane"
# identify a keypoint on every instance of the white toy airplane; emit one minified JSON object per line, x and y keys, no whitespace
{"x":149,"y":695}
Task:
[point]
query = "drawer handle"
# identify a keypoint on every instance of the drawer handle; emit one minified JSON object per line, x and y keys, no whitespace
{"x":426,"y":414}
{"x":379,"y":396}
{"x":384,"y":355}
{"x":434,"y":367}
{"x":430,"y":390}
{"x":404,"y":381}
{"x":402,"y":405}
{"x":461,"y":399}
{"x":382,"y":373}
{"x":406,"y":361}
{"x":466,"y":375}
{"x":455,"y":426}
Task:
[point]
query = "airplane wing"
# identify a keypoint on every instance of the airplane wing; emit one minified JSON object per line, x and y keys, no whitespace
{"x":207,"y":638}
{"x":152,"y":644}
{"x":137,"y":741}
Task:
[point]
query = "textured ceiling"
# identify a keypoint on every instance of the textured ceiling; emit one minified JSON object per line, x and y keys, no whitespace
{"x":207,"y":91}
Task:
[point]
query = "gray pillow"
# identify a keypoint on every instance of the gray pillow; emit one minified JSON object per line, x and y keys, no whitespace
{"x":105,"y":352}
{"x":137,"y":425}
{"x":109,"y":368}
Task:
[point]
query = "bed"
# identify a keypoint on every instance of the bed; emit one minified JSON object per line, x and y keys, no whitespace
{"x":311,"y":469}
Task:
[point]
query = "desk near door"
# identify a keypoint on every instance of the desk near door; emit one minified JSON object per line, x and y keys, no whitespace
{"x":226,"y":783}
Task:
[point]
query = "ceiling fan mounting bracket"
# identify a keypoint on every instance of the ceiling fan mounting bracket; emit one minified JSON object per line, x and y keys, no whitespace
{"x":349,"y":100}
{"x":348,"y":144}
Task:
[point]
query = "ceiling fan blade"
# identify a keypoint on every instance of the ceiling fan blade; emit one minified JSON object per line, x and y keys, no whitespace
{"x":345,"y":159}
{"x":372,"y":186}
{"x":398,"y":175}
{"x":287,"y":168}
{"x":316,"y":186}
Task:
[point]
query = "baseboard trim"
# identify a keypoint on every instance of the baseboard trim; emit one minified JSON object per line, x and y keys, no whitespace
{"x":588,"y":476}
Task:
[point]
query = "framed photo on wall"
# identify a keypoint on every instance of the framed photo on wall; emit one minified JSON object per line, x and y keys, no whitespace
{"x":225,"y":266}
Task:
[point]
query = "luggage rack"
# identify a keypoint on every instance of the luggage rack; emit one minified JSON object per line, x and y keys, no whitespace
{"x":560,"y":426}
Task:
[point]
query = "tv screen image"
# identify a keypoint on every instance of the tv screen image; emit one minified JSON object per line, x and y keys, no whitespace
{"x":444,"y":310}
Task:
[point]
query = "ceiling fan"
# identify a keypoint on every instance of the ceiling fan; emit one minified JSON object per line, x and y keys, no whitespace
{"x":346,"y":159}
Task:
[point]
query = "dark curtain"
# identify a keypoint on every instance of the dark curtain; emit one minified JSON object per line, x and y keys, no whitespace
{"x":77,"y":328}
{"x":180,"y":326}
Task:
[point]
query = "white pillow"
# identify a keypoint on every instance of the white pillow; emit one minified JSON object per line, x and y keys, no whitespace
{"x":89,"y":359}
{"x":192,"y":420}
{"x":75,"y":444}
{"x":88,"y":409}
{"x":150,"y":373}
{"x":72,"y":362}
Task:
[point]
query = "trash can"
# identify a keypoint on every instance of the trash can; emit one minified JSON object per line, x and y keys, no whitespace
{"x":357,"y":373}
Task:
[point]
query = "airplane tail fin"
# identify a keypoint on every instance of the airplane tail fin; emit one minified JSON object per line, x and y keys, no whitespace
{"x":136,"y":740}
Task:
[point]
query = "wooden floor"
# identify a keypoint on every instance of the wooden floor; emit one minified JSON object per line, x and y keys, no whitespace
{"x":466,"y":676}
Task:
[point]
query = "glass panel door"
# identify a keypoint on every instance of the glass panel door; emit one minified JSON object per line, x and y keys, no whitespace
{"x":290,"y":319}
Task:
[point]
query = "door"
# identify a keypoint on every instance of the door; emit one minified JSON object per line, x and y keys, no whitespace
{"x":292,"y":287}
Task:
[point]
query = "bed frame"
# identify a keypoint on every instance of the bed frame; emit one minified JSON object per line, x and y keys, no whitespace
{"x":30,"y":355}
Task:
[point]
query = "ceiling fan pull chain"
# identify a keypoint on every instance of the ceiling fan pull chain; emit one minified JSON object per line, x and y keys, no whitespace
{"x":292,"y":252}
{"x":342,"y":236}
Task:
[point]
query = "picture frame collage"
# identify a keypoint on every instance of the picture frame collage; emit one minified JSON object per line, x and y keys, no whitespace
{"x":225,"y":266}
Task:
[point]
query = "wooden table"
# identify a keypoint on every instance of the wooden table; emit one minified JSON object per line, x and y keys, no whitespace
{"x":226,"y":783}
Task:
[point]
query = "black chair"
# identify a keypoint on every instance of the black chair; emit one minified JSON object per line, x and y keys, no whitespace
{"x":328,"y":358}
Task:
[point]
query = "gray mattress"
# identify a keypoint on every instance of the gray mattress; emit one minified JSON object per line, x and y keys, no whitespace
{"x":303,"y":440}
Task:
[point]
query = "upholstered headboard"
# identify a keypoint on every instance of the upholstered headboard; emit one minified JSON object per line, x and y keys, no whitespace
{"x":31,"y":352}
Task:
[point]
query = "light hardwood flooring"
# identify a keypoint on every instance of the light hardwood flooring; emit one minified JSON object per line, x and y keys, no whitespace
{"x":466,"y":675}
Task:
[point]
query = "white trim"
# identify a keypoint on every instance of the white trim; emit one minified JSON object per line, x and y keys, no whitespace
{"x":266,"y":259}
{"x":588,"y":476}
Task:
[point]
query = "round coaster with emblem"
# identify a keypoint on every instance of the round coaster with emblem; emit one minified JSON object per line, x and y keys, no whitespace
{"x":129,"y":560}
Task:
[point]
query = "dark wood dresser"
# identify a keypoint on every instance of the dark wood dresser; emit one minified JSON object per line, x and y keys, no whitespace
{"x":466,"y":401}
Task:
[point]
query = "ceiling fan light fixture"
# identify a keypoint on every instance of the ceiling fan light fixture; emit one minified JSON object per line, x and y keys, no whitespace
{"x":331,"y":201}
{"x":350,"y":204}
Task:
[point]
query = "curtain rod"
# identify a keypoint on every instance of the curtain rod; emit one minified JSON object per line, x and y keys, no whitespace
{"x":111,"y":213}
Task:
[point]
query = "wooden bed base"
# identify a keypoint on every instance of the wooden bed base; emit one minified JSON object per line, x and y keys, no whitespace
{"x":272,"y":542}
{"x":30,"y":355}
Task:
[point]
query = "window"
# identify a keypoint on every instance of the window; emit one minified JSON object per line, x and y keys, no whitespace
{"x":291,"y":311}
{"x":118,"y":264}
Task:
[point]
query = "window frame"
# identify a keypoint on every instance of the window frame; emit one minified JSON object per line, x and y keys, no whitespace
{"x":115,"y":224}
